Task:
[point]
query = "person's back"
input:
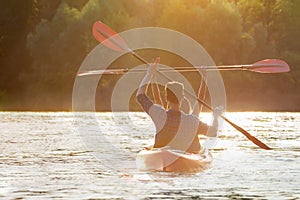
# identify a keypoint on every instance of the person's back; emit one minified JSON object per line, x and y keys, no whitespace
{"x":174,"y":128}
{"x":180,"y":132}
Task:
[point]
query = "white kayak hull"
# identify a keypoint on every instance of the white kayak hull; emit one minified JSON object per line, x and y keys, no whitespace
{"x":169,"y":160}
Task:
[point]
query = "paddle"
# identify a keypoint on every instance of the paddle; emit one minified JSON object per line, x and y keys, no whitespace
{"x":104,"y":34}
{"x":263,"y":66}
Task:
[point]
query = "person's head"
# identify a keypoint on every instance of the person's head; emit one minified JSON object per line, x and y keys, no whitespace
{"x":174,"y":92}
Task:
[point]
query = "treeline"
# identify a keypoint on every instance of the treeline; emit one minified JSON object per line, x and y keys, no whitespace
{"x":43,"y":43}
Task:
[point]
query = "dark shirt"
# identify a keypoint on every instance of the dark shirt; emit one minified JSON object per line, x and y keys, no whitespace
{"x":174,"y":128}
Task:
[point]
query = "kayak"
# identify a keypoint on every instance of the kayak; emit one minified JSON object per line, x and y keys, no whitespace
{"x":170,"y":160}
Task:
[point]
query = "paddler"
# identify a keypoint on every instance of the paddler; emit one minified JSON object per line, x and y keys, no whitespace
{"x":174,"y":128}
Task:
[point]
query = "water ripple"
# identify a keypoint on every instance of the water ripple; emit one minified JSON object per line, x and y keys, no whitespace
{"x":42,"y":156}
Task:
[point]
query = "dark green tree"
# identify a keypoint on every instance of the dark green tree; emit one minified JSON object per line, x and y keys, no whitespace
{"x":15,"y":23}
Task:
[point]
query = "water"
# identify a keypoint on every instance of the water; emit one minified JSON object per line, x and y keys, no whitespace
{"x":58,"y":156}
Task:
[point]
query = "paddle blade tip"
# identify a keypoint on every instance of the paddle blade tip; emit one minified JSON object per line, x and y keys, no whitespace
{"x":267,"y":148}
{"x":108,"y":37}
{"x":270,"y":66}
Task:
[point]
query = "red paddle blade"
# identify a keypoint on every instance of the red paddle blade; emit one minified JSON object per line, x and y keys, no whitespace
{"x":269,"y":66}
{"x":109,"y":37}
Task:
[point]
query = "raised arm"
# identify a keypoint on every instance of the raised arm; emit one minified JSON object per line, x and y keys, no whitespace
{"x":201,"y":94}
{"x":155,"y":90}
{"x":143,"y":88}
{"x":186,"y":105}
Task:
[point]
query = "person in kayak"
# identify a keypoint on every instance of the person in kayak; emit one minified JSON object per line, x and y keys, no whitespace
{"x":174,"y":128}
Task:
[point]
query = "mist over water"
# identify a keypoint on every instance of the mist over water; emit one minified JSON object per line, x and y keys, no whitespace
{"x":43,"y":156}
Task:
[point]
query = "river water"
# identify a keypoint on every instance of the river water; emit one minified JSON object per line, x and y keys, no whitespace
{"x":61,"y":155}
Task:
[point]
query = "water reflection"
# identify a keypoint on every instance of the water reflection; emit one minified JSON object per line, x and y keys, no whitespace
{"x":42,"y":156}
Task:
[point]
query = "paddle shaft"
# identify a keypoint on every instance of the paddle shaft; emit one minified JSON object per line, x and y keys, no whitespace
{"x":264,"y":66}
{"x":179,"y":69}
{"x":248,"y":135}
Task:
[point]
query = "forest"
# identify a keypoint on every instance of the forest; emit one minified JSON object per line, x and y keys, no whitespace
{"x":43,"y":43}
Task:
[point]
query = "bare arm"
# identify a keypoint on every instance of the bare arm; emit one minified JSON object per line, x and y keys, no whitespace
{"x":211,"y":131}
{"x":156,"y":92}
{"x":186,"y":106}
{"x":201,"y":94}
{"x":143,"y":88}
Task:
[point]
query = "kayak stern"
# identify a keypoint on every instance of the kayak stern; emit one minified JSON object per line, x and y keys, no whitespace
{"x":168,"y":160}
